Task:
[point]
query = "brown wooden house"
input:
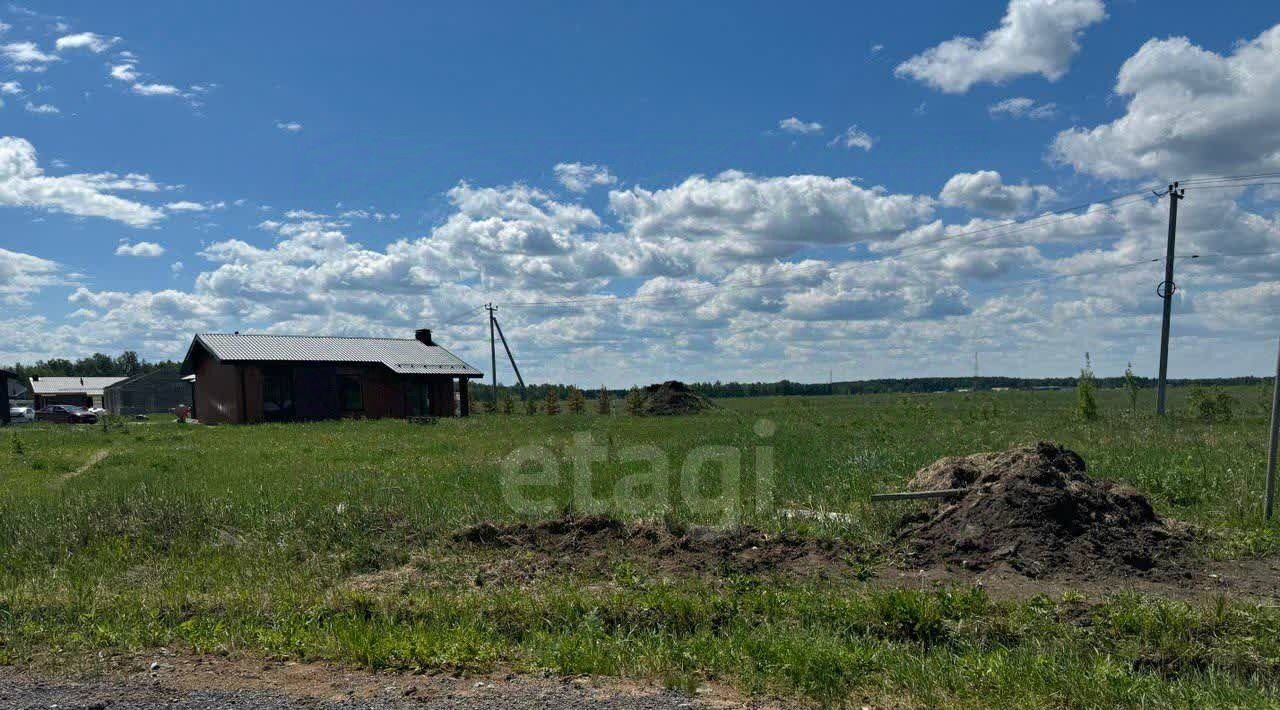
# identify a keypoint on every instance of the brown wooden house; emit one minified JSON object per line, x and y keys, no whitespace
{"x":249,"y":378}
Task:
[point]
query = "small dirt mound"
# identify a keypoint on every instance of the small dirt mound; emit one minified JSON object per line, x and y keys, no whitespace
{"x":580,"y":541}
{"x":1033,"y":509}
{"x":670,"y":398}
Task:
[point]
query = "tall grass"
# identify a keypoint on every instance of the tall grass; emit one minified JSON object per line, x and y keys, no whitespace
{"x":245,"y":539}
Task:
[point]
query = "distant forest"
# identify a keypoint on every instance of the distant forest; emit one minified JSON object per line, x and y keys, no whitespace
{"x":127,"y":364}
{"x":482,"y":392}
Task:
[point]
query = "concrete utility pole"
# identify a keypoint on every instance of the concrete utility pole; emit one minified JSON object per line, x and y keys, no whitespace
{"x":1275,"y":441}
{"x":510,"y":357}
{"x":1165,"y":290}
{"x":493,"y":354}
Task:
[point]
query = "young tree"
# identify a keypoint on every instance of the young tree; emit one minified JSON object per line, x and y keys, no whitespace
{"x":577,"y":403}
{"x":602,"y":404}
{"x":634,"y":402}
{"x":531,"y":406}
{"x":552,"y":405}
{"x":1131,"y":386}
{"x":507,"y":406}
{"x":1086,"y":405}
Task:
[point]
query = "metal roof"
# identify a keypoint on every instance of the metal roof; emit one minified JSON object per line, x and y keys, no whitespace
{"x":402,"y":355}
{"x":72,"y":385}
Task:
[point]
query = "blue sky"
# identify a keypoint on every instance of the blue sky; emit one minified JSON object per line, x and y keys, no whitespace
{"x":723,"y":190}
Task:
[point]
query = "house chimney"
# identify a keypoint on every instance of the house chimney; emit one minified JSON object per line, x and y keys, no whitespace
{"x":423,"y":335}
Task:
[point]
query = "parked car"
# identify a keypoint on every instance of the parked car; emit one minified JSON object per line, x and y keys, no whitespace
{"x":19,"y":415}
{"x":66,"y":414}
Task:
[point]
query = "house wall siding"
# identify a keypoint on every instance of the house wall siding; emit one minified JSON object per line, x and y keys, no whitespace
{"x":218,"y":392}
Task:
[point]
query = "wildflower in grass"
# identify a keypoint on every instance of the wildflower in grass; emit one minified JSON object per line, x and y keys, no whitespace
{"x":552,"y":404}
{"x":602,"y":404}
{"x":577,"y":402}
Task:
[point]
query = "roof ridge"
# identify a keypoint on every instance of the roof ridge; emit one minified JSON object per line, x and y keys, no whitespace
{"x":316,"y":337}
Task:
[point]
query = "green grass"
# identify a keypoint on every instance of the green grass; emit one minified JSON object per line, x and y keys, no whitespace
{"x":245,"y":539}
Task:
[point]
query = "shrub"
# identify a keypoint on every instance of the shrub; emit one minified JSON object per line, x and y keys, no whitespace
{"x":507,"y":406}
{"x":552,"y":405}
{"x":634,"y":402}
{"x":1086,"y":404}
{"x":531,"y":406}
{"x":1211,"y":406}
{"x":577,"y":402}
{"x":1131,"y":386}
{"x":602,"y":404}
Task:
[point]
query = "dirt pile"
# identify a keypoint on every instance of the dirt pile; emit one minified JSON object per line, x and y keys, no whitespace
{"x":670,"y":398}
{"x":580,"y":542}
{"x":1033,"y":509}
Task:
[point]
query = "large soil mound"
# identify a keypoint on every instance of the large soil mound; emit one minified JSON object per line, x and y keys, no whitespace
{"x":672,"y":397}
{"x":1034,"y":510}
{"x":572,"y":542}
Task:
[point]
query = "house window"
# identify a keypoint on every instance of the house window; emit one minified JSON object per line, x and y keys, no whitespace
{"x":277,"y":396}
{"x":419,"y":399}
{"x":349,"y":393}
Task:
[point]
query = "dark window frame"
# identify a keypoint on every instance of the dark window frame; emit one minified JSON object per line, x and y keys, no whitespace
{"x":348,"y":383}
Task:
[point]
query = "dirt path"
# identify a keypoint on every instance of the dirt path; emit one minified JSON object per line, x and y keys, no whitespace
{"x":206,"y":682}
{"x":94,"y":460}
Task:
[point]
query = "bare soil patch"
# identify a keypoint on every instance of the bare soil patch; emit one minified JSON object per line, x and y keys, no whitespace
{"x":164,"y":678}
{"x":1033,"y":510}
{"x":576,"y":542}
{"x":672,"y":398}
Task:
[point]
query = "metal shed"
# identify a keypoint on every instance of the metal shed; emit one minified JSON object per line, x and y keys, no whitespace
{"x":80,"y":391}
{"x":157,"y":391}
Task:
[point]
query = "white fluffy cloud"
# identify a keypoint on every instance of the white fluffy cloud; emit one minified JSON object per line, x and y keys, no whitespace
{"x":26,"y":56}
{"x":22,"y":275}
{"x":147,"y":89}
{"x":1034,"y":37}
{"x":730,"y":276}
{"x":190,"y":206}
{"x":124,"y":72}
{"x":854,"y":137}
{"x":1190,"y":111}
{"x":1023,"y":107}
{"x":45,"y":109}
{"x":24,"y":184}
{"x":796,"y":126}
{"x":95,"y":43}
{"x":735,"y":216}
{"x":985,"y":191}
{"x":580,"y":177}
{"x":148,"y":249}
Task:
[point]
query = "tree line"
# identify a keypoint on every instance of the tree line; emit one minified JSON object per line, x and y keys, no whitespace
{"x":482,"y":392}
{"x":127,"y":364}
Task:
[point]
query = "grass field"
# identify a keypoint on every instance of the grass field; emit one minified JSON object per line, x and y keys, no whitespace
{"x":248,"y":539}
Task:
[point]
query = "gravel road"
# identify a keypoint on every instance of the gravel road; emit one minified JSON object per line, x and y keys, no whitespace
{"x":25,"y":691}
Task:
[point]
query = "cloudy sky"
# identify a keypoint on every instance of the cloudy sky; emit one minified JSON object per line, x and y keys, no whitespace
{"x":653,"y":190}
